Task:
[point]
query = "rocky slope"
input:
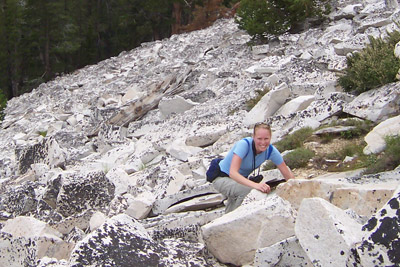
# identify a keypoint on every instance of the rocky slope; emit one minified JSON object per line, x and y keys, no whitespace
{"x":105,"y":166}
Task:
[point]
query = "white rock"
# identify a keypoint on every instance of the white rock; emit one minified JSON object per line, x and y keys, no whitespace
{"x":205,"y":136}
{"x":268,"y":105}
{"x":397,"y":50}
{"x":377,"y":104}
{"x":325,"y":232}
{"x":141,"y":205}
{"x":179,"y":150}
{"x":376,"y":138}
{"x":121,"y":180}
{"x":284,"y":253}
{"x":297,"y":104}
{"x":198,"y":203}
{"x":174,"y":105}
{"x":235,"y":237}
{"x":364,"y":198}
{"x":97,"y":219}
{"x":48,"y":240}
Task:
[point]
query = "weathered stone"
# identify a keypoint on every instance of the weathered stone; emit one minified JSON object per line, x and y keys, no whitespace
{"x":122,"y":241}
{"x":364,"y":199}
{"x":180,"y":225}
{"x":325,"y":232}
{"x":48,"y":151}
{"x":295,"y":105}
{"x":235,"y":237}
{"x":17,"y":252}
{"x":376,"y":138}
{"x":268,"y":105}
{"x":376,"y":105}
{"x":284,"y":253}
{"x":47,"y":240}
{"x":179,"y":150}
{"x":381,"y":234}
{"x":174,"y":105}
{"x":80,"y":192}
{"x":162,"y":204}
{"x":21,"y":200}
{"x":197,"y":203}
{"x":205,"y":136}
{"x":141,"y":205}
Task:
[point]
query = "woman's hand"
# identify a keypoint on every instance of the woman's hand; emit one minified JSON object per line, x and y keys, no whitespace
{"x":263,"y":187}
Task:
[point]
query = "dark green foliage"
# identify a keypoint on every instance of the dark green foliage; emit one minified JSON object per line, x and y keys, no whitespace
{"x":294,"y":140}
{"x":299,"y":157}
{"x":265,"y":19}
{"x":372,"y":67}
{"x":42,"y":39}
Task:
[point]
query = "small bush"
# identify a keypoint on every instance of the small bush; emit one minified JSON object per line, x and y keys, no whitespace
{"x":299,"y":158}
{"x":388,"y":160}
{"x":265,"y":19}
{"x":374,"y":66}
{"x":294,"y":140}
{"x":347,"y":151}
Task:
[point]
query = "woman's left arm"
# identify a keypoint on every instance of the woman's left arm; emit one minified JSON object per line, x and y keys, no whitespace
{"x":286,"y":172}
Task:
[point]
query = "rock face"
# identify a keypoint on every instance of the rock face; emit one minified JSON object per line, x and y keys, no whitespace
{"x":112,"y":158}
{"x":326,"y":232}
{"x":121,"y":241}
{"x":235,"y":237}
{"x":379,"y":246}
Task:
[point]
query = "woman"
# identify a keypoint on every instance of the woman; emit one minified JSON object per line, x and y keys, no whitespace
{"x":239,"y":163}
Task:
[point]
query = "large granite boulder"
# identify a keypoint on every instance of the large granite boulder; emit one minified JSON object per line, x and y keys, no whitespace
{"x":79,"y":192}
{"x":376,"y":138}
{"x":235,"y":237}
{"x":376,"y":105}
{"x":284,"y":253}
{"x":365,"y":194}
{"x":122,"y":241}
{"x":326,"y":232}
{"x":47,"y":151}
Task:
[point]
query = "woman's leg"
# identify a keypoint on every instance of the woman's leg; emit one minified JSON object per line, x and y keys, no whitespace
{"x":234,"y":191}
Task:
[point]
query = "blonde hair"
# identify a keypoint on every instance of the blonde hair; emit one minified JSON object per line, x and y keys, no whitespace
{"x":261,"y":125}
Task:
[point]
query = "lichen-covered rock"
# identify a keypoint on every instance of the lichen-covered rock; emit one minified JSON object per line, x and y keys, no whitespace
{"x":122,"y":241}
{"x":48,"y":151}
{"x":80,"y":191}
{"x":16,"y":252}
{"x":20,"y":200}
{"x":288,"y":252}
{"x":381,"y":243}
{"x":376,"y":105}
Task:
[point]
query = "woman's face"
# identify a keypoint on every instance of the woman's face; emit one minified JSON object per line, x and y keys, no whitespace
{"x":262,"y":139}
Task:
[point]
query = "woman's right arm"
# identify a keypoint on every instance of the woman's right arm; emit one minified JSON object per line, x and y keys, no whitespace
{"x":235,"y":175}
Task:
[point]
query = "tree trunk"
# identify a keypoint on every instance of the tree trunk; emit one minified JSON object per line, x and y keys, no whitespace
{"x":177,"y":15}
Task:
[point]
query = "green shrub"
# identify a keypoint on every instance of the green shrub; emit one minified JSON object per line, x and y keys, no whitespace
{"x":299,"y":158}
{"x":294,"y":140}
{"x":264,"y":19}
{"x":351,"y":150}
{"x":362,"y":127}
{"x":372,"y":67}
{"x":388,"y":160}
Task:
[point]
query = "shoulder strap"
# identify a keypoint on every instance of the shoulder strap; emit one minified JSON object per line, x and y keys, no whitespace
{"x":247,"y":141}
{"x":269,"y":151}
